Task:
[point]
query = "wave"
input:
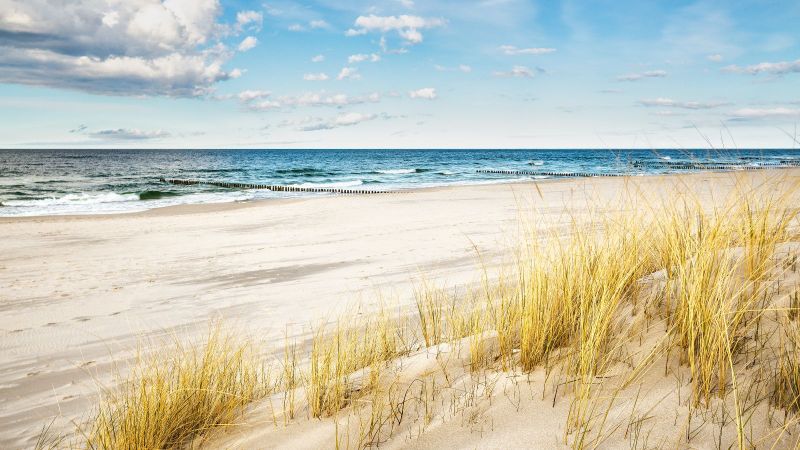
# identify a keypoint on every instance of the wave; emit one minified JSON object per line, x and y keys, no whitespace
{"x":305,"y":171}
{"x":155,"y":195}
{"x":396,"y":171}
{"x":213,"y":170}
{"x":445,"y":172}
{"x":536,"y":163}
{"x":335,"y":184}
{"x":85,"y":198}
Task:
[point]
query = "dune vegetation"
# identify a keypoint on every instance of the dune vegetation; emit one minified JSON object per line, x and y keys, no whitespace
{"x":667,"y":324}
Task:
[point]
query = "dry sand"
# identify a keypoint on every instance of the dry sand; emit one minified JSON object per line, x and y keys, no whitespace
{"x":78,"y":293}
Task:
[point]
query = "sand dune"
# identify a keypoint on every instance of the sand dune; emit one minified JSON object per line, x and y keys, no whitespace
{"x":79,"y":293}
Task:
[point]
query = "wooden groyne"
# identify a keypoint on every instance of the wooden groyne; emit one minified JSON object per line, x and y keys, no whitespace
{"x":642,"y":164}
{"x":714,"y":165}
{"x":552,"y":174}
{"x":273,"y":187}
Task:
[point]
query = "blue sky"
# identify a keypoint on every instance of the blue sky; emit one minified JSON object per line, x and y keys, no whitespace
{"x":399,"y":74}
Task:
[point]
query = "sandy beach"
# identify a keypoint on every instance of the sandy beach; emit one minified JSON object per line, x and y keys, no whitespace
{"x":79,"y":292}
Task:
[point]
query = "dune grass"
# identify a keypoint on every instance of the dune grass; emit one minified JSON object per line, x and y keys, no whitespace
{"x":176,"y":395}
{"x":570,"y":301}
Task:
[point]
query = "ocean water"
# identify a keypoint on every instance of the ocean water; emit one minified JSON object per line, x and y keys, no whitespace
{"x":52,"y":182}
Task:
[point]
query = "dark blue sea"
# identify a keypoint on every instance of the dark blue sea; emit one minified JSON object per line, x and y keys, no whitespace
{"x":48,"y":182}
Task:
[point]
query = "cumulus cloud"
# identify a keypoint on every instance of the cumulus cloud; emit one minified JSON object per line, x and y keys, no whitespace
{"x":342,"y":120}
{"x":318,"y":58}
{"x":245,"y":19}
{"x":642,"y":75}
{"x":314,"y":24}
{"x":137,"y":47}
{"x":248,"y":43}
{"x":249,"y":95}
{"x":765,"y":113}
{"x":512,"y":50}
{"x":516,"y":72}
{"x":669,"y":103}
{"x":348,"y":73}
{"x":263,"y":100}
{"x":406,"y":26}
{"x":715,"y":57}
{"x":424,"y":93}
{"x":361,"y":57}
{"x":128,"y":134}
{"x":776,"y":68}
{"x":315,"y":76}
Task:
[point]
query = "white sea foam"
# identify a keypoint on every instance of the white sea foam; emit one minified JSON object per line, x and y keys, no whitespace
{"x":85,"y":198}
{"x":396,"y":171}
{"x":335,"y":184}
{"x":536,"y":163}
{"x":113,"y":203}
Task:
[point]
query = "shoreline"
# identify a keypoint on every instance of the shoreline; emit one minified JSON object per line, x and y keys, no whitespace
{"x":199,"y":208}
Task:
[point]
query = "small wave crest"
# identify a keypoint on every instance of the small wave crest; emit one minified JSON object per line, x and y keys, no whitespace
{"x":304,"y":171}
{"x":84,"y":198}
{"x":536,"y":163}
{"x":396,"y":171}
{"x":155,"y":195}
{"x":335,"y":184}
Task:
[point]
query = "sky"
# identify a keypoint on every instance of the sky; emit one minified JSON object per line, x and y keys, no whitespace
{"x":399,"y":74}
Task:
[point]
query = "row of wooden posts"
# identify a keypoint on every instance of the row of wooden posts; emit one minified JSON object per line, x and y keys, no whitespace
{"x":272,"y":187}
{"x":552,"y":174}
{"x":706,"y":166}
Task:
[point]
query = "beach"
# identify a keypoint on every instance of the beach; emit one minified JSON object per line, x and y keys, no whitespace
{"x":79,"y":293}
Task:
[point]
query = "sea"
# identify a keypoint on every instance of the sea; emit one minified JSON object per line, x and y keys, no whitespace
{"x":59,"y":182}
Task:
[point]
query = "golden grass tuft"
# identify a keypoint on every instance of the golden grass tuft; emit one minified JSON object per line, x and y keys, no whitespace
{"x":177,"y":394}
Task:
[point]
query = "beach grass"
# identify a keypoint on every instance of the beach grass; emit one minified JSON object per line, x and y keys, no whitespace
{"x":178,"y":394}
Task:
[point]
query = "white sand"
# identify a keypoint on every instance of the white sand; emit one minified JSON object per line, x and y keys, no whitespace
{"x":77,"y":293}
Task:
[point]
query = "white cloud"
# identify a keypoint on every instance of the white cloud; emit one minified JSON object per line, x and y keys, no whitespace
{"x":461,"y":68}
{"x":128,"y":134}
{"x":361,"y":57}
{"x":406,"y":26}
{"x":315,"y":76}
{"x":512,"y":50}
{"x":669,"y":103}
{"x":318,"y":58}
{"x":424,"y":93}
{"x":311,"y":25}
{"x":516,"y":72}
{"x":245,"y":18}
{"x":247,"y":96}
{"x":342,"y":120}
{"x":248,"y":43}
{"x":262,"y":100}
{"x":765,"y":113}
{"x":642,"y":75}
{"x":715,"y":57}
{"x":406,"y":3}
{"x":777,"y":68}
{"x":348,"y":73}
{"x":136,"y":47}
